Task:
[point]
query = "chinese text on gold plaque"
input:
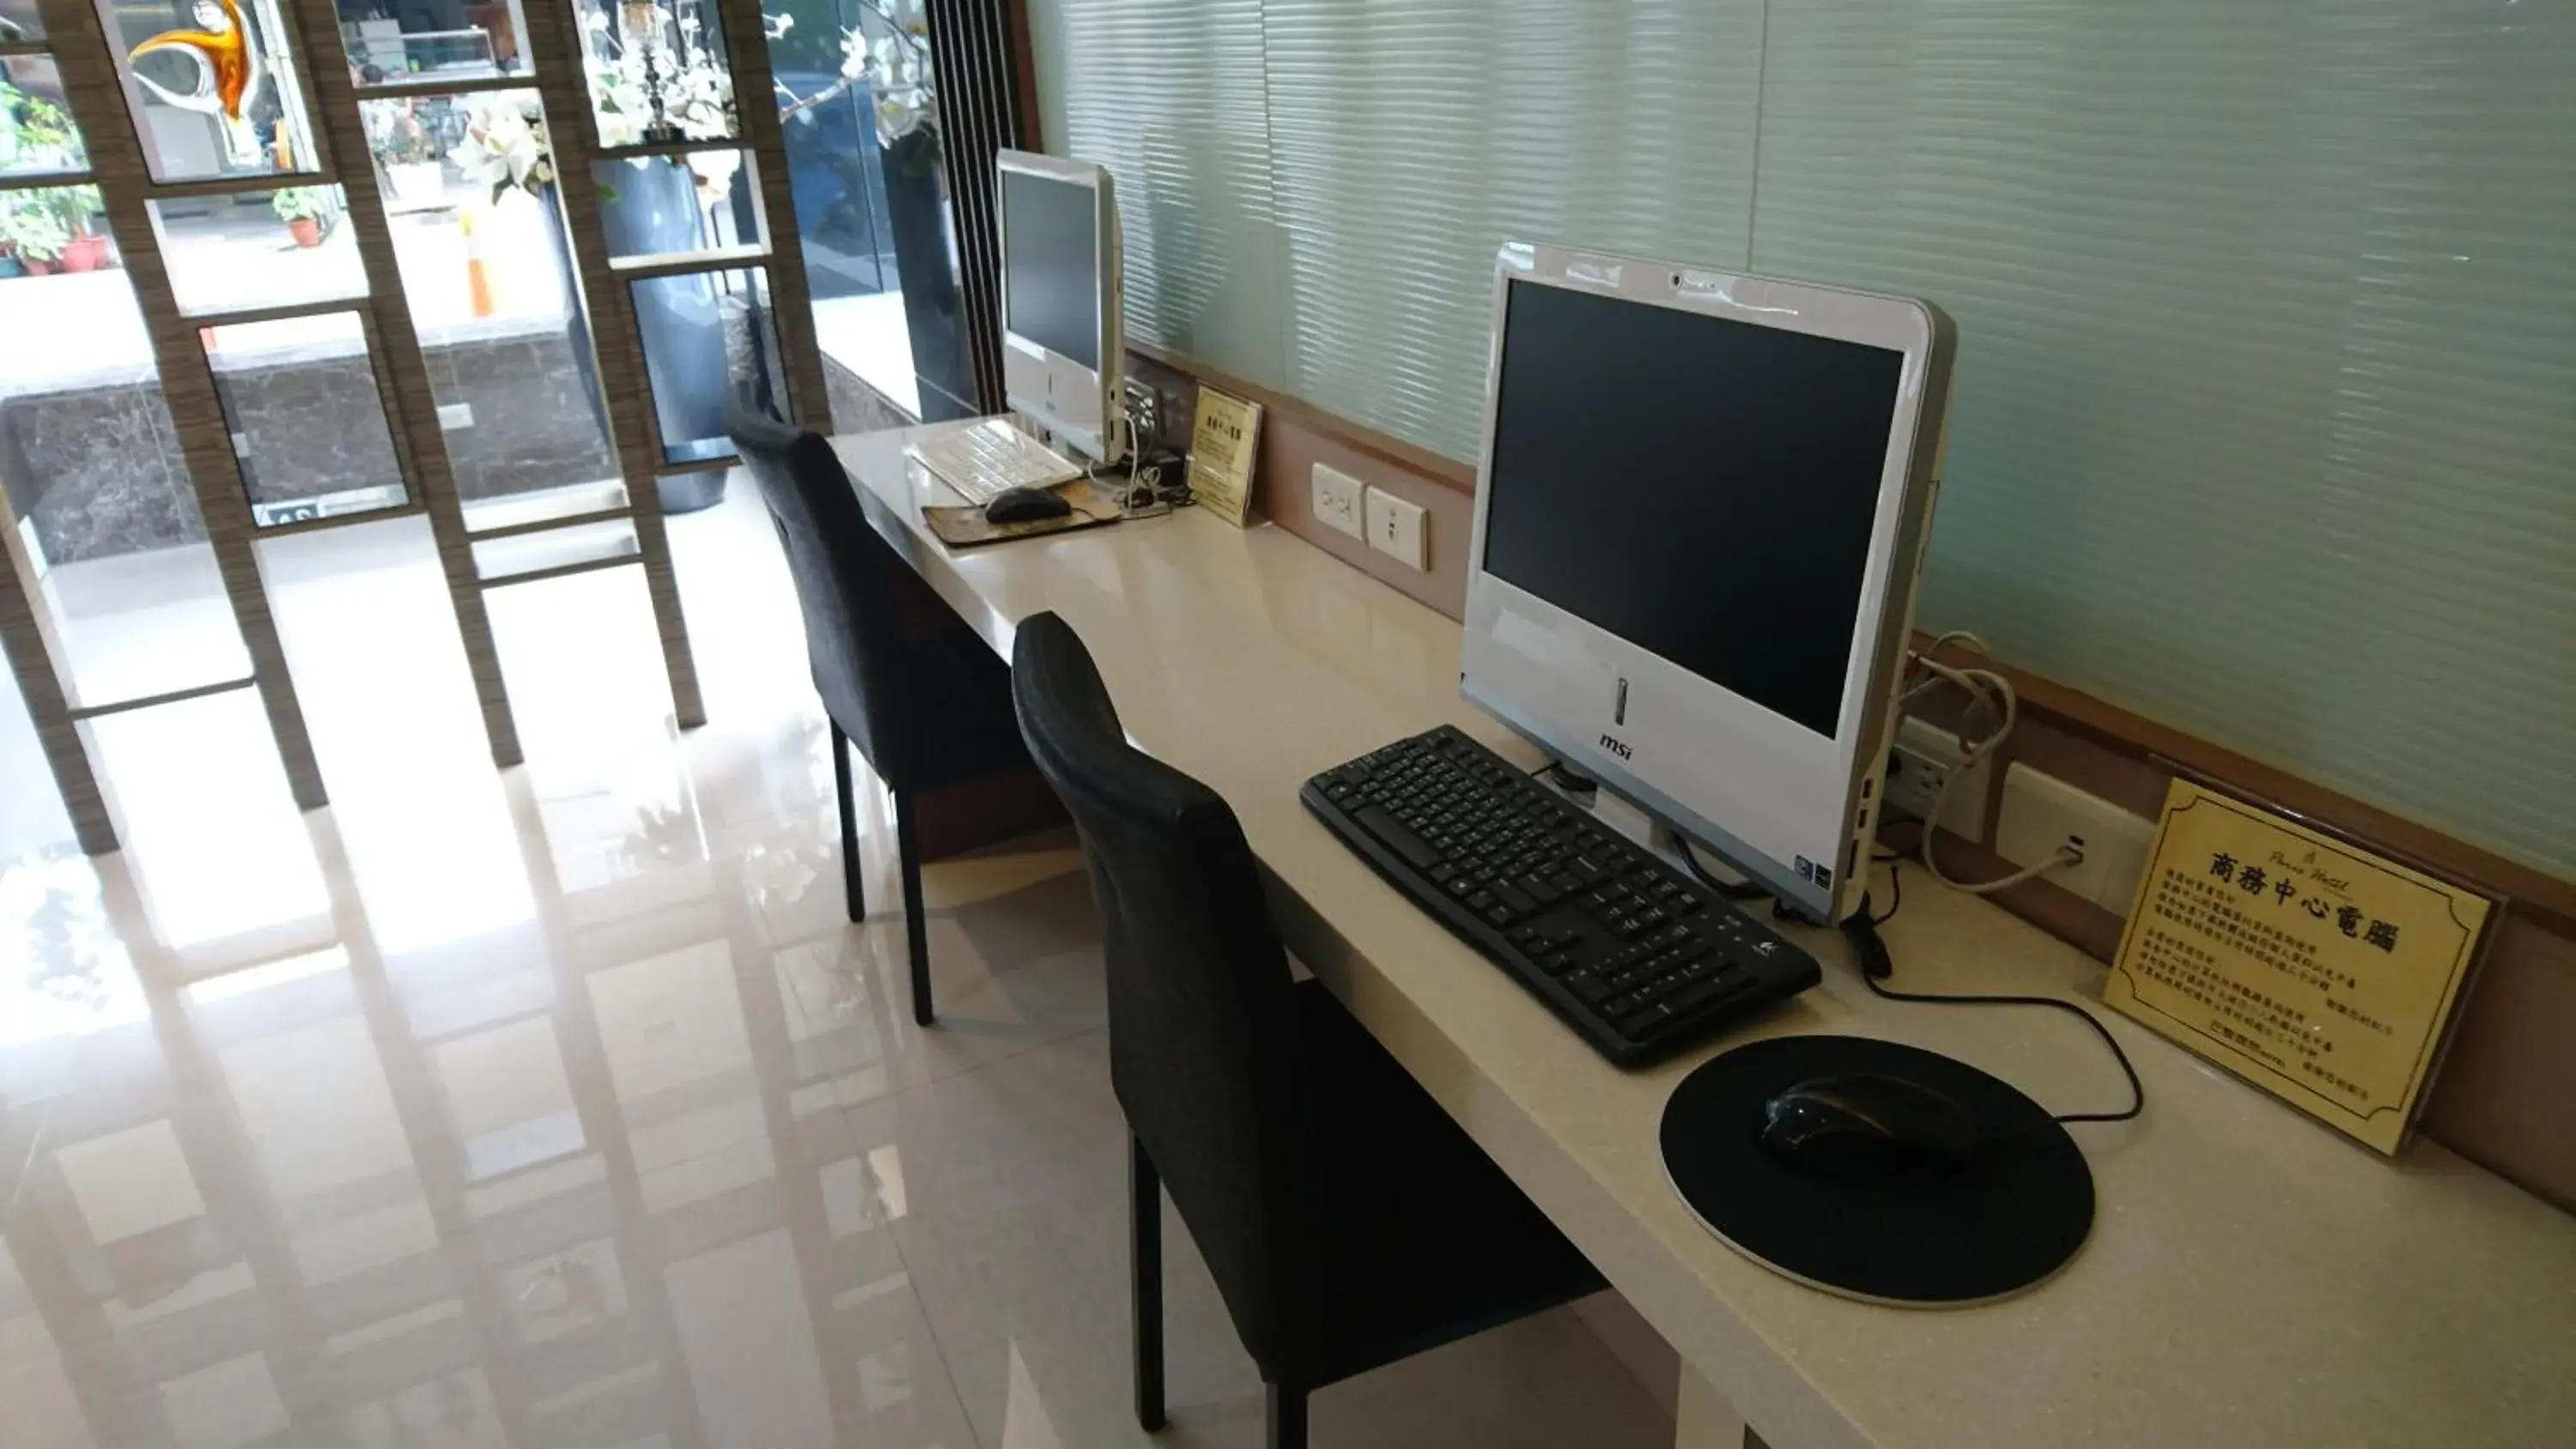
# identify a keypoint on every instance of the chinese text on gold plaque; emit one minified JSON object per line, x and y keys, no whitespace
{"x":2305,"y":965}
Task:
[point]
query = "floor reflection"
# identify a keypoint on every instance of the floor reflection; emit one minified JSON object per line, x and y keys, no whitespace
{"x":561,"y":1107}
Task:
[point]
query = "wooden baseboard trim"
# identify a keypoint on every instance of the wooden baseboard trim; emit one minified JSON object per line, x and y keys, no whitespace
{"x":2543,"y":899}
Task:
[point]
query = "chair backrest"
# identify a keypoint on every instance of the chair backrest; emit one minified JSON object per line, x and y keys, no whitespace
{"x":847,"y":583}
{"x":1205,"y":1049}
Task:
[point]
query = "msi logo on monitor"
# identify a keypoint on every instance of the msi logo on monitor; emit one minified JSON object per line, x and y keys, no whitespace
{"x":1618,"y":716}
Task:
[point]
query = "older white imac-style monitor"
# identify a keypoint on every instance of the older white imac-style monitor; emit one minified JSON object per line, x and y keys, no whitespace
{"x":1700,"y":507}
{"x":1062,"y":351}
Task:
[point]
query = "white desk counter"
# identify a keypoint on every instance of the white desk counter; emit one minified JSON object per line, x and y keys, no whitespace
{"x":2251,"y":1279}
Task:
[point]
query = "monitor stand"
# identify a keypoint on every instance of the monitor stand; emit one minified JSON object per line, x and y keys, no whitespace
{"x":1568,"y":781}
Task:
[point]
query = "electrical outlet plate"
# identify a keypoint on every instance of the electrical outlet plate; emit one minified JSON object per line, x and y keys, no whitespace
{"x":2041,"y":812}
{"x":452,"y":416}
{"x":1395,"y":527}
{"x":1144,"y":415}
{"x":1926,"y":755}
{"x":1339,"y":501}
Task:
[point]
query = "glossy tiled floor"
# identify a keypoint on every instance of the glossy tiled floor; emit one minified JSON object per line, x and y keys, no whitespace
{"x":562,"y":1107}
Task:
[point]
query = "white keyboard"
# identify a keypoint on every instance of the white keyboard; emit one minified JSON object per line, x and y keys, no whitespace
{"x":983,"y":460}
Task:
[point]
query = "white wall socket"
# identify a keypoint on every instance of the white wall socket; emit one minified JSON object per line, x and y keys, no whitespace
{"x":2040,"y":813}
{"x":452,"y":416}
{"x":1926,"y":756}
{"x":1395,"y":527}
{"x":1339,"y":501}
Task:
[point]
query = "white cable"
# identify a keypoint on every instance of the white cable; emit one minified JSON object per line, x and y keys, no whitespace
{"x":1983,"y":687}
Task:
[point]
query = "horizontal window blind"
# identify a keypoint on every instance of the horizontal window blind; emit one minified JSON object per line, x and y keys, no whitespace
{"x":1409,"y":141}
{"x":1173,"y":102}
{"x":2265,"y":417}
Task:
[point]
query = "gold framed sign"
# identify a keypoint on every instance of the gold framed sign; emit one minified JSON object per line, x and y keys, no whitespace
{"x":1221,"y":449}
{"x":2320,"y":972}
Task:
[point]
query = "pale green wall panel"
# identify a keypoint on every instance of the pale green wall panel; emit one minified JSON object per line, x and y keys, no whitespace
{"x":1411,"y":140}
{"x":2265,"y":419}
{"x":2265,"y":414}
{"x":1169,"y":95}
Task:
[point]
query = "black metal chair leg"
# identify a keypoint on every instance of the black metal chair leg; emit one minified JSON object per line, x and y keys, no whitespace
{"x":1287,"y":1417}
{"x":850,"y":887}
{"x":916,"y":922}
{"x":1145,"y":1278}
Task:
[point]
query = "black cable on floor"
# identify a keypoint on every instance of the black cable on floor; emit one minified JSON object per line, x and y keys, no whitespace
{"x":1876,"y":965}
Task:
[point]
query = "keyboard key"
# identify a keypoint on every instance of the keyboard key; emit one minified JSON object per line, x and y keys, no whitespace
{"x":1590,"y":988}
{"x":1696,"y":994}
{"x":1644,"y":1020}
{"x":1376,"y":820}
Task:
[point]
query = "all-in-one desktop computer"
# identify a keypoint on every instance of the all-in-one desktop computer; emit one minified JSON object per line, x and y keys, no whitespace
{"x":1700,"y":505}
{"x":1063,"y":350}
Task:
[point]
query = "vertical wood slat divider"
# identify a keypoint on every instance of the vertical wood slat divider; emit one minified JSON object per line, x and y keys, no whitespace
{"x":764,"y":134}
{"x":22,"y":644}
{"x":96,"y":98}
{"x":978,"y":115}
{"x":411,"y":407}
{"x":555,"y":56}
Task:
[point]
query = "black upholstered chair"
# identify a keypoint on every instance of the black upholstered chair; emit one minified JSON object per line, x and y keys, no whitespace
{"x":1347,"y":1221}
{"x":901,"y":676}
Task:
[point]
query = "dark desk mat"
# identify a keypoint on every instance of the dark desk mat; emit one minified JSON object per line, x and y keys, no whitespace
{"x":2000,"y":1223}
{"x":964,"y":526}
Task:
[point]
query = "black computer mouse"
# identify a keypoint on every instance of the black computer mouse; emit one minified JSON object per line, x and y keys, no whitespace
{"x":1025,"y":505}
{"x":1867,"y":1126}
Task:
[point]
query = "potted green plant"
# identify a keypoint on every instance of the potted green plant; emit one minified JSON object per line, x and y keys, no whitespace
{"x":36,"y":134}
{"x":300,"y":207}
{"x":34,"y":234}
{"x":74,"y":208}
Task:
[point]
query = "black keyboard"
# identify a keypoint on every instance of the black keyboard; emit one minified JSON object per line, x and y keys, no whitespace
{"x":1639,"y":959}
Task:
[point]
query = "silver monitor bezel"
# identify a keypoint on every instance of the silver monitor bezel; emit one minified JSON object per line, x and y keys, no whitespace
{"x":1907,"y":486}
{"x":1029,"y":366}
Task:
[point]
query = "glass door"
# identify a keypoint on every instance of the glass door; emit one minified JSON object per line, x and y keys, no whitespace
{"x":473,"y":276}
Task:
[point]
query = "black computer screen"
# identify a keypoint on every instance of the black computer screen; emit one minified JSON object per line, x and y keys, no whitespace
{"x":1700,"y":487}
{"x":1051,"y":264}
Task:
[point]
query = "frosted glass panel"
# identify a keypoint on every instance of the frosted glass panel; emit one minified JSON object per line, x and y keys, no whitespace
{"x":1170,"y":100}
{"x":2260,"y":425}
{"x":2261,"y":421}
{"x":1410,"y":141}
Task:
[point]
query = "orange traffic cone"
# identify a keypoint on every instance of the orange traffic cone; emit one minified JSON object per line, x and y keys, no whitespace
{"x":478,"y":284}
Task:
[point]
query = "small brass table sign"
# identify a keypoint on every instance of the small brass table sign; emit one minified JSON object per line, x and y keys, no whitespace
{"x":1221,"y":448}
{"x":2315,"y":970}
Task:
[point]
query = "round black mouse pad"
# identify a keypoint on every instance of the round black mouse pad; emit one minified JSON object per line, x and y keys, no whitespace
{"x":2010,"y":1216}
